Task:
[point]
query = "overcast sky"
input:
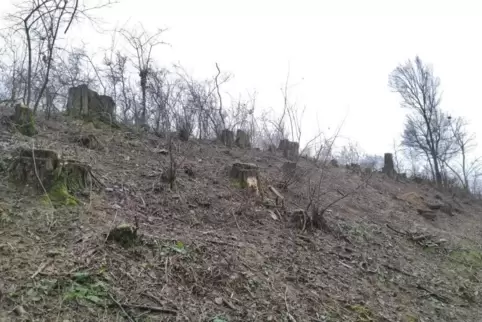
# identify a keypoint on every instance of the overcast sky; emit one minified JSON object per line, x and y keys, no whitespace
{"x":340,"y":53}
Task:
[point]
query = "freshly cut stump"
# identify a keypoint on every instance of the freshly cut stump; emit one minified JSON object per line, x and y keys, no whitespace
{"x":44,"y":169}
{"x":246,"y":175}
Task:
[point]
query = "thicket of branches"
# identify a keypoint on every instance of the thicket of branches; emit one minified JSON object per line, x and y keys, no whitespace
{"x":37,"y":68}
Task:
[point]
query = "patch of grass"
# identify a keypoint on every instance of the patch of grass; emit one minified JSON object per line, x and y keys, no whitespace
{"x":84,"y":286}
{"x":179,"y":247}
{"x":360,"y":233}
{"x":463,"y":263}
{"x":471,"y":258}
{"x":364,"y":314}
{"x":172,"y":249}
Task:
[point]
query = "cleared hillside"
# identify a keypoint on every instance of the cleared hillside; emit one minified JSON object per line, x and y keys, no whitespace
{"x":211,"y":251}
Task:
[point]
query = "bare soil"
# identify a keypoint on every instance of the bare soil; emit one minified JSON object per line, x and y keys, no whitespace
{"x":211,"y":251}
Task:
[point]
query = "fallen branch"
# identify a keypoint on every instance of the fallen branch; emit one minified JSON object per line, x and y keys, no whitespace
{"x":150,"y":308}
{"x":280,"y":200}
{"x":395,"y":230}
{"x":440,"y":298}
{"x":122,"y":308}
{"x":41,"y":268}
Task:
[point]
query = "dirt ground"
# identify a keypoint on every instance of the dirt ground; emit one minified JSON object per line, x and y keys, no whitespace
{"x":211,"y":251}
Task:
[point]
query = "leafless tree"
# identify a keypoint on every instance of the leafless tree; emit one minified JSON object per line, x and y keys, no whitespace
{"x":397,"y":159}
{"x":427,"y":129}
{"x":42,"y":22}
{"x":143,"y":42}
{"x":200,"y":99}
{"x":350,"y":153}
{"x":12,"y":71}
{"x":465,"y":143}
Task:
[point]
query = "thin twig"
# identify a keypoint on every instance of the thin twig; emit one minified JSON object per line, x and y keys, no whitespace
{"x":288,"y":314}
{"x":395,"y":230}
{"x":38,"y":177}
{"x":237,"y":224}
{"x":41,"y":268}
{"x":150,"y":308}
{"x":121,"y":307}
{"x":112,"y":226}
{"x":166,"y":270}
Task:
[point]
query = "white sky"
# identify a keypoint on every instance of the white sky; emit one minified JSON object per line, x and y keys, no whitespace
{"x":340,"y":52}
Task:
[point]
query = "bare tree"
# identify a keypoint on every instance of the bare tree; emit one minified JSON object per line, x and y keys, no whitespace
{"x":350,"y":154}
{"x":42,"y":23}
{"x":142,"y":42}
{"x":397,"y":160}
{"x":465,"y":143}
{"x":427,"y":129}
{"x":12,"y":69}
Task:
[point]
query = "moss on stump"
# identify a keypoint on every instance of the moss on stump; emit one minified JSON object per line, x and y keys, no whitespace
{"x":24,"y":120}
{"x":44,"y":169}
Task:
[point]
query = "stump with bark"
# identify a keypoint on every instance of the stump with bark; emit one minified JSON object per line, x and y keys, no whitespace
{"x":246,"y":175}
{"x":124,"y":234}
{"x":48,"y":173}
{"x":290,"y":149}
{"x":227,"y":137}
{"x":90,"y":141}
{"x":24,"y":120}
{"x":184,"y":135}
{"x":85,"y":103}
{"x":389,"y":167}
{"x":242,"y":139}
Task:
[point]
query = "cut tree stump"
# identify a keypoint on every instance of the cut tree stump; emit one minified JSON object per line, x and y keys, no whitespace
{"x":124,"y":234}
{"x":388,"y":167}
{"x":184,"y":135}
{"x":246,"y":175}
{"x":90,"y":141}
{"x":242,"y":139}
{"x":24,"y":120}
{"x":47,"y":172}
{"x":334,"y":163}
{"x":290,"y":149}
{"x":227,"y":137}
{"x":85,"y":103}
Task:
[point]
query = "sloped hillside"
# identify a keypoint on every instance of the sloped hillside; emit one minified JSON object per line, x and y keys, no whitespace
{"x":208,"y":250}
